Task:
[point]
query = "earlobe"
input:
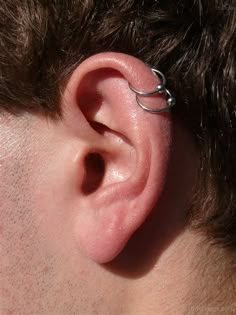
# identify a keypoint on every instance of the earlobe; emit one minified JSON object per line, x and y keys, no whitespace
{"x":127,"y":152}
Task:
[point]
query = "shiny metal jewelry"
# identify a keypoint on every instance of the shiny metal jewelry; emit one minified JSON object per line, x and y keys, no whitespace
{"x":159,"y":89}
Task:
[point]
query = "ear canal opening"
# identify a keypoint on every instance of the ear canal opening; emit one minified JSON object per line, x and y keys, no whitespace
{"x":94,"y":173}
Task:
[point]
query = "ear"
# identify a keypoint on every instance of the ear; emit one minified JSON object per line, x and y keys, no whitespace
{"x":123,"y":152}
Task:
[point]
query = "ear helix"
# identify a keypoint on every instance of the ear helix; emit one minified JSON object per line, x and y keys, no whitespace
{"x":159,"y":89}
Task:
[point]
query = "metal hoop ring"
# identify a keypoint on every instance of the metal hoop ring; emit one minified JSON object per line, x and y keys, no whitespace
{"x":160,"y":88}
{"x":170,"y":101}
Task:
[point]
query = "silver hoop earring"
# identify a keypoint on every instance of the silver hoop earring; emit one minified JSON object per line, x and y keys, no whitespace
{"x":159,"y":90}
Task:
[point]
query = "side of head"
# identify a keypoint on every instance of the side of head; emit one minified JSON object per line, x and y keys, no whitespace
{"x":82,"y":166}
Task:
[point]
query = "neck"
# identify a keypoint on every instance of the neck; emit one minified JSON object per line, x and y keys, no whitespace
{"x":188,"y":278}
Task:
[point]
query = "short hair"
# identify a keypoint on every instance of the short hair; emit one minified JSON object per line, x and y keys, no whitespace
{"x":192,"y":41}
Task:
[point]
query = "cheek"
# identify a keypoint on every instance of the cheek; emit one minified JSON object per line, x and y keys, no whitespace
{"x":14,"y":174}
{"x":24,"y":261}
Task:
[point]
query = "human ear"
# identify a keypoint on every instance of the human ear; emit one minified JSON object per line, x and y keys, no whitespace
{"x":124,"y":151}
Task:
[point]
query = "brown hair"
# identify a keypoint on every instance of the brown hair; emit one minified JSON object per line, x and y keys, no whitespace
{"x":192,"y":42}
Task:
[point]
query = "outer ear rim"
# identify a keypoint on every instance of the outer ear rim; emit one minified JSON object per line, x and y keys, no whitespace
{"x":123,"y":64}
